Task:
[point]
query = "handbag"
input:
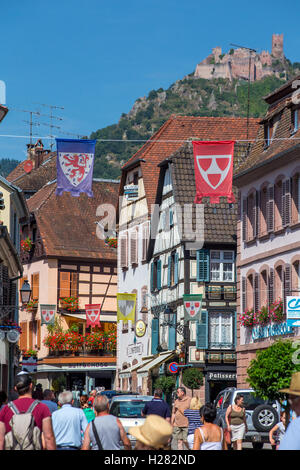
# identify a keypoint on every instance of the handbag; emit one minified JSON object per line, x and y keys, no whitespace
{"x":96,"y":436}
{"x":227,"y":433}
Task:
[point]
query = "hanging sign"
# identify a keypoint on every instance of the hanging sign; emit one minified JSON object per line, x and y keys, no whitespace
{"x":92,"y":314}
{"x":126,"y":307}
{"x":293,"y":311}
{"x":29,"y":364}
{"x":48,"y":314}
{"x":213,"y":163}
{"x":75,"y":162}
{"x":192,"y":306}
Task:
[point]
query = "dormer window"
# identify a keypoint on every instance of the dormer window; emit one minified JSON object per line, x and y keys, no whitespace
{"x":295,"y":120}
{"x":268,"y":133}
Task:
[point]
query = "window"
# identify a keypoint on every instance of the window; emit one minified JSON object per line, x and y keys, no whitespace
{"x":173,"y":269}
{"x":135,"y":178}
{"x":295,"y":120}
{"x":279,"y":283}
{"x":134,"y":247}
{"x":68,"y":284}
{"x":156,"y":275}
{"x":295,"y":199}
{"x":263,"y":214}
{"x":251,"y":216}
{"x":263,"y":288}
{"x":124,"y":250}
{"x":222,"y":266}
{"x":220,"y":330}
{"x":145,"y":240}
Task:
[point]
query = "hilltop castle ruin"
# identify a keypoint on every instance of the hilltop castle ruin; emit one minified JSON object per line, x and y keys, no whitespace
{"x":235,"y":64}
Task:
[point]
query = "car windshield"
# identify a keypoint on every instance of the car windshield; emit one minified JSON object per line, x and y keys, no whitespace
{"x":251,"y":401}
{"x":127,"y":409}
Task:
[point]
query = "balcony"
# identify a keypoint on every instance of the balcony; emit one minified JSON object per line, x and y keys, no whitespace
{"x":84,"y":352}
{"x":221,"y":292}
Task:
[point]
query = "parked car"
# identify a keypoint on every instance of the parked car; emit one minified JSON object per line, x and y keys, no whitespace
{"x":261,"y":414}
{"x":128,"y":409}
{"x":112,"y":393}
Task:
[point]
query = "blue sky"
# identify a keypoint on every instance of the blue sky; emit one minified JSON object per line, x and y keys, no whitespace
{"x":95,"y":58}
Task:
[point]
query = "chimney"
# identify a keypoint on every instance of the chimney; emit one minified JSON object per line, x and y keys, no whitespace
{"x":35,"y":152}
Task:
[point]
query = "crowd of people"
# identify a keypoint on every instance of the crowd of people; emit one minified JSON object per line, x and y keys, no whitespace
{"x":35,"y":419}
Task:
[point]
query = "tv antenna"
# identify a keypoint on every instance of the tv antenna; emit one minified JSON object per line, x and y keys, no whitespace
{"x":51,"y":116}
{"x":249,"y":79}
{"x":30,"y":122}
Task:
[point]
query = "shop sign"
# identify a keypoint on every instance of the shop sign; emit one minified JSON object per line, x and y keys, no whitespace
{"x":134,"y":349}
{"x":261,"y":332}
{"x":221,"y":376}
{"x":293,"y":311}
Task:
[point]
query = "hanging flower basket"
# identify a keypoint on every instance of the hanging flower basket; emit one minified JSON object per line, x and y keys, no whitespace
{"x":32,"y":306}
{"x":29,"y":353}
{"x":112,"y":242}
{"x":26,"y":244}
{"x":69,"y":303}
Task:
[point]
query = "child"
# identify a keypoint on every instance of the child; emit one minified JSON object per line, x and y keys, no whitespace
{"x":279,"y":429}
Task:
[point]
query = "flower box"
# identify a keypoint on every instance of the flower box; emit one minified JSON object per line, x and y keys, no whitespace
{"x":26,"y":245}
{"x":69,"y":303}
{"x":32,"y":305}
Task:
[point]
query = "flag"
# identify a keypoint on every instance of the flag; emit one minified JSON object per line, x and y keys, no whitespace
{"x":75,"y":162}
{"x":213,"y":162}
{"x":29,"y":364}
{"x":192,"y":307}
{"x":92,"y":314}
{"x":48,"y":314}
{"x":126,"y":307}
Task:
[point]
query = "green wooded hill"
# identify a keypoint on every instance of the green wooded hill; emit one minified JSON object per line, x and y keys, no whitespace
{"x":189,"y":97}
{"x":7,"y":165}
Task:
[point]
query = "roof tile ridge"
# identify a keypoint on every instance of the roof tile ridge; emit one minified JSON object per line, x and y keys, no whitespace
{"x":46,"y":198}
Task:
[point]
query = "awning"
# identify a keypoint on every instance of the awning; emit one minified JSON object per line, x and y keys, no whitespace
{"x":126,"y":373}
{"x":157,"y":361}
{"x":82,"y":316}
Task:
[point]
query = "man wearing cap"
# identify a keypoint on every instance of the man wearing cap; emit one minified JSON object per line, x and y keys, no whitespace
{"x":41,"y":413}
{"x":291,"y":439}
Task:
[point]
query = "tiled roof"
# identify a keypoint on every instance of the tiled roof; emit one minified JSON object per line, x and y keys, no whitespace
{"x":38,"y":177}
{"x":219,"y":219}
{"x":68,"y":224}
{"x":284,"y":140}
{"x":175,"y":132}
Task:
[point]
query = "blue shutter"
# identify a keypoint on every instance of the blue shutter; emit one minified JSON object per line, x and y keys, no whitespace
{"x":172,"y":334}
{"x":151,"y":277}
{"x":171,"y":219}
{"x":155,"y":335}
{"x":203,"y":272}
{"x":169,"y":270}
{"x":159,"y":274}
{"x":176,"y":269}
{"x":202,"y":331}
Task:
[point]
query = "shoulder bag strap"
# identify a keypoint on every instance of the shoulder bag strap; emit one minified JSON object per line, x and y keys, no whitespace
{"x":13,"y":408}
{"x":96,"y":436}
{"x":32,"y":406}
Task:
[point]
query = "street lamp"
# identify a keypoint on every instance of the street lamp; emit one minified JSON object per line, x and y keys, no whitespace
{"x":25,"y":292}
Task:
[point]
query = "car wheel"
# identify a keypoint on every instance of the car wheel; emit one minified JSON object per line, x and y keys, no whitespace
{"x":264,"y":417}
{"x":257,"y":445}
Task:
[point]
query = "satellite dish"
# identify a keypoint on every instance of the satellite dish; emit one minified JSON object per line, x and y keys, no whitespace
{"x":13,"y":336}
{"x":28,"y":166}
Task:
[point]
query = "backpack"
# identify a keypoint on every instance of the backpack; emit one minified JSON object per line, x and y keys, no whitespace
{"x":24,"y":434}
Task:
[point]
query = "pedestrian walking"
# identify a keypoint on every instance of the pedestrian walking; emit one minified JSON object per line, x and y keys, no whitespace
{"x":278,"y":430}
{"x":91,"y":399}
{"x":3,"y":399}
{"x":154,"y":434}
{"x":291,"y":439}
{"x":68,"y":423}
{"x":157,"y":406}
{"x":209,"y":436}
{"x":23,"y":420}
{"x":178,"y":420}
{"x":193,"y":415}
{"x":48,"y":400}
{"x":106,"y":431}
{"x":37,"y":394}
{"x":236,"y":421}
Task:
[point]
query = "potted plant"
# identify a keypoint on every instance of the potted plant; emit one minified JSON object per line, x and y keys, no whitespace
{"x":112,"y":242}
{"x":94,"y":341}
{"x":32,"y":305}
{"x":26,"y":244}
{"x":73,"y":341}
{"x":69,"y":303}
{"x":263,"y":316}
{"x":248,"y":318}
{"x":276,"y":311}
{"x":29,"y":353}
{"x":56,"y":342}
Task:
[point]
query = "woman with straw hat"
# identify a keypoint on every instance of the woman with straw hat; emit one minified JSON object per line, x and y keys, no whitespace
{"x":291,"y":439}
{"x":154,"y":434}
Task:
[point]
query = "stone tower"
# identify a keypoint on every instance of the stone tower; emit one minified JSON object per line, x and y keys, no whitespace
{"x":277,"y":46}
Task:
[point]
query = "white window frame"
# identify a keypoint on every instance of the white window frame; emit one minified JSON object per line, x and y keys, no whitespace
{"x":222,"y":261}
{"x":219,"y":316}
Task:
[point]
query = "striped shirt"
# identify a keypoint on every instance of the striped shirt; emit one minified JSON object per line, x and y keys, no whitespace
{"x":194,"y":420}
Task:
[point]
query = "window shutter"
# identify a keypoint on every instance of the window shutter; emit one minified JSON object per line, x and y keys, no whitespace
{"x":256,"y":302}
{"x":39,"y":333}
{"x":258,"y":213}
{"x":124,"y":251}
{"x":287,"y":203}
{"x":159,"y":274}
{"x":271,"y":285}
{"x":234,"y":330}
{"x":23,"y":337}
{"x":145,"y":241}
{"x":169,"y":270}
{"x":202,"y":331}
{"x":270,"y":209}
{"x":286,"y":284}
{"x":171,"y":217}
{"x":176,"y":267}
{"x":151,"y":278}
{"x":244,"y":294}
{"x":31,"y":329}
{"x":155,"y":335}
{"x":244,"y":219}
{"x":203,"y":265}
{"x":133,"y":247}
{"x":172,"y":334}
{"x":35,"y":286}
{"x":254,"y":214}
{"x":12,"y":293}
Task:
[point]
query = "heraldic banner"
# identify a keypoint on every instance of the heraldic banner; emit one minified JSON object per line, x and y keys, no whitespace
{"x":47,"y":314}
{"x":126,"y":307}
{"x":213,"y":162}
{"x":92,"y":314}
{"x":192,"y":307}
{"x":75,"y":165}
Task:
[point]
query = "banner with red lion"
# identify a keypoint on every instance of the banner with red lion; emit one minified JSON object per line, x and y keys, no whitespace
{"x":213,"y":163}
{"x":75,"y":164}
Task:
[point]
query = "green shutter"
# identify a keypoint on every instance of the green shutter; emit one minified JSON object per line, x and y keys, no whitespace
{"x":202,"y":331}
{"x":169,"y":270}
{"x":172,"y":334}
{"x":155,"y":335}
{"x":151,"y":277}
{"x":159,"y":274}
{"x":176,"y":268}
{"x":203,"y":265}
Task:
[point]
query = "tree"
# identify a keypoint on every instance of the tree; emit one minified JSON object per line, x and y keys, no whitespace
{"x":192,"y":378}
{"x":165,"y":383}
